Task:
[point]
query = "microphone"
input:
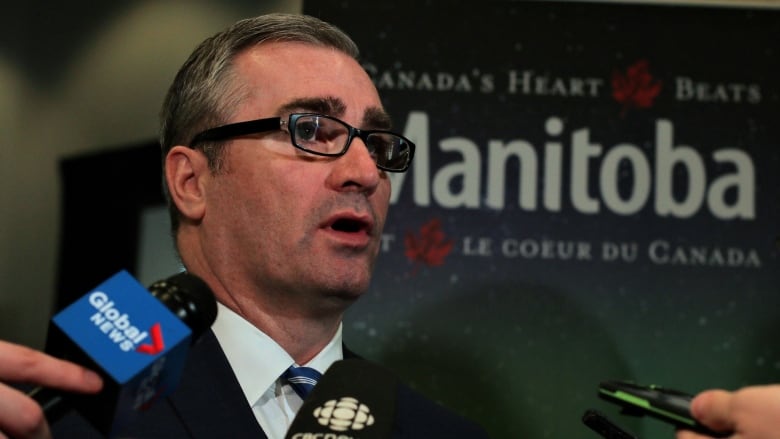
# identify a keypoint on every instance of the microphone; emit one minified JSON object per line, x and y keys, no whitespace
{"x":136,"y":341}
{"x":603,"y":426}
{"x":354,"y":399}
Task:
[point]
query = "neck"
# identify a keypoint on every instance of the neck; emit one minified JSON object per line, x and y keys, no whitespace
{"x":300,"y":335}
{"x":301,"y":322}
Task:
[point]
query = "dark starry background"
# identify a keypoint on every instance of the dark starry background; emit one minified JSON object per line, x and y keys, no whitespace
{"x":521,"y":343}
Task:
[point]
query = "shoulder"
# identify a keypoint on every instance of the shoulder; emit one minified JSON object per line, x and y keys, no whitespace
{"x":417,"y":416}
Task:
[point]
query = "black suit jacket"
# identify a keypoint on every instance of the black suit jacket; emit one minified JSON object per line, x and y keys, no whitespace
{"x":209,"y":404}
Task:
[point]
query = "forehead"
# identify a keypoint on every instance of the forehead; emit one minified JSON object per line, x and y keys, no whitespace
{"x":276,"y":74}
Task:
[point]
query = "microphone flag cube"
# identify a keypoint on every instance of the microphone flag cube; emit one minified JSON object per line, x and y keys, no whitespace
{"x":133,"y":340}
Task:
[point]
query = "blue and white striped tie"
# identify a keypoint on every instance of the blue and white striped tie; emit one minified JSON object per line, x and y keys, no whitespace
{"x":302,"y":379}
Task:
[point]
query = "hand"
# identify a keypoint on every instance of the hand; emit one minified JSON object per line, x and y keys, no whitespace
{"x":751,"y":412}
{"x":21,"y":416}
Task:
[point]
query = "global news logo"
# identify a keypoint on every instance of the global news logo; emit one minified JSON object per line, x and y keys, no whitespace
{"x":119,"y":329}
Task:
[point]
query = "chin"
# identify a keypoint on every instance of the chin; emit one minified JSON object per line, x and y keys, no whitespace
{"x":336,"y":301}
{"x":347,"y":289}
{"x":344,"y":283}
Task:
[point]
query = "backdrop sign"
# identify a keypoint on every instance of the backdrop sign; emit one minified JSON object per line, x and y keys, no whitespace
{"x":594,"y":195}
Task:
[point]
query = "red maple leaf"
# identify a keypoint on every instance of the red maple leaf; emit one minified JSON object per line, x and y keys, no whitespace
{"x":430,"y":247}
{"x":636,"y":88}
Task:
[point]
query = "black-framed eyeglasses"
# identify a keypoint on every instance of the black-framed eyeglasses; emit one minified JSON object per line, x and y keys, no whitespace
{"x":323,"y":135}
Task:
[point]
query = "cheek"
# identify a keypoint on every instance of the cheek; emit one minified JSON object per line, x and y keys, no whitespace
{"x":282,"y":200}
{"x":239,"y":194}
{"x":383,"y":196}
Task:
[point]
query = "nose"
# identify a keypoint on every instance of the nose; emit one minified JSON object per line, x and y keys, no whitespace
{"x":355,"y":170}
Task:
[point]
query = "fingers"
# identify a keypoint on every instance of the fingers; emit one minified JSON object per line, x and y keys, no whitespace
{"x":20,"y":416}
{"x":22,"y":364}
{"x":687,"y":434}
{"x":713,"y":408}
{"x":756,"y":412}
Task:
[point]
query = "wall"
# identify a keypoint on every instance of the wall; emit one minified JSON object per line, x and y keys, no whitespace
{"x":78,"y":77}
{"x":81,"y":78}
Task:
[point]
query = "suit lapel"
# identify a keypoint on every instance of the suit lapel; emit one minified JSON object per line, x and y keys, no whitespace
{"x":209,"y":401}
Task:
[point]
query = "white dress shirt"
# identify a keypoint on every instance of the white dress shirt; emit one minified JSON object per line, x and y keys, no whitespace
{"x":258,"y":362}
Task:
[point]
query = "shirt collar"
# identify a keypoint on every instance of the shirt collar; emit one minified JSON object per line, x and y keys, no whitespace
{"x":256,"y":359}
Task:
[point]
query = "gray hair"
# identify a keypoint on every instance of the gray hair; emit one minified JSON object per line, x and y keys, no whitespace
{"x":205,"y":89}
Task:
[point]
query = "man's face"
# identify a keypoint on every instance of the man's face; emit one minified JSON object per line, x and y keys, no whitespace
{"x":288,"y":225}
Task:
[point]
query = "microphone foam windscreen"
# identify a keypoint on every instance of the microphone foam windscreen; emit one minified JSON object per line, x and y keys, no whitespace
{"x":355,"y":398}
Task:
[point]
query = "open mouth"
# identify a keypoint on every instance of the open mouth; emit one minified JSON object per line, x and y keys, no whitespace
{"x":349,"y":225}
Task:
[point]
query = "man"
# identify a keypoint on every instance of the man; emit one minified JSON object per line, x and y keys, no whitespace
{"x":276,"y":153}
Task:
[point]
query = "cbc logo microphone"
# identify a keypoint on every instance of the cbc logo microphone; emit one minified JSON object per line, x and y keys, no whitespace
{"x":344,"y":414}
{"x":339,"y":416}
{"x":338,"y":407}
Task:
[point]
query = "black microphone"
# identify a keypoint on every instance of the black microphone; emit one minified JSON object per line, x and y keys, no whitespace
{"x":354,"y":398}
{"x":603,"y":426}
{"x":136,"y":341}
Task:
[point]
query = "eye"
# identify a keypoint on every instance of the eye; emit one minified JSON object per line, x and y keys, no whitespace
{"x":306,"y":130}
{"x":383,"y":146}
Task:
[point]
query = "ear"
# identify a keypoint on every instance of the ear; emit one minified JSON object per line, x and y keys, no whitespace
{"x":186,"y":172}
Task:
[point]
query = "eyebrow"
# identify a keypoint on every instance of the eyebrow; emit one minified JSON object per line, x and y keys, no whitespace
{"x":377,"y":118}
{"x":373,"y":117}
